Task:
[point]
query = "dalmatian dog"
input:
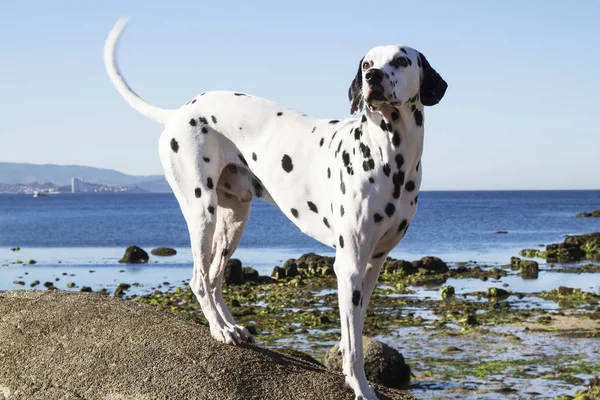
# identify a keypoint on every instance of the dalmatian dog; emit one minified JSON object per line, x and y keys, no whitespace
{"x":351,"y":184}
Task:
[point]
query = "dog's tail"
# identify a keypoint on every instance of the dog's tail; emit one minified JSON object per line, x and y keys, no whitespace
{"x":140,"y":105}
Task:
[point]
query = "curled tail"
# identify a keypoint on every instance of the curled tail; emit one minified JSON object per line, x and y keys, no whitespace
{"x":140,"y":105}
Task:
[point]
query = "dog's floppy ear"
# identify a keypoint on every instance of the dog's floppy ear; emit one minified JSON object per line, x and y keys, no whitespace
{"x":355,"y":92}
{"x":433,"y":86}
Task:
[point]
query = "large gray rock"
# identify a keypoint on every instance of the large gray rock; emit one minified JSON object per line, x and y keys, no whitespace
{"x":383,"y":364}
{"x":92,"y":346}
{"x":134,"y":255}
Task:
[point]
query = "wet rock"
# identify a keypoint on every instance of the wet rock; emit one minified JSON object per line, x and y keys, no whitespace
{"x":431,"y":265}
{"x":497,"y":293}
{"x":309,"y":265}
{"x":595,"y":214}
{"x":249,"y":274}
{"x":299,"y":355}
{"x":278,"y":273}
{"x":447,"y":292}
{"x":452,"y":349}
{"x":49,"y":285}
{"x":86,"y":289}
{"x":20,"y":283}
{"x":469,"y":320}
{"x":34,"y":283}
{"x":501,"y":232}
{"x":531,"y":253}
{"x":163,"y":252}
{"x":31,"y":262}
{"x":134,"y":255}
{"x":383,"y":364}
{"x":233,"y":274}
{"x":529,"y":269}
{"x":70,"y":285}
{"x":17,"y":262}
{"x":15,"y":249}
{"x":400,"y":267}
{"x":235,"y":303}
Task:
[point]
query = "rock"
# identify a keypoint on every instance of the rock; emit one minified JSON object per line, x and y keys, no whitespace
{"x":278,"y":273}
{"x":249,"y":274}
{"x":497,"y":293}
{"x":20,"y":283}
{"x":49,"y":285}
{"x":383,"y":364}
{"x":31,"y":262}
{"x":233,"y":274}
{"x":134,"y":336}
{"x":291,"y":270}
{"x":86,"y":289}
{"x":235,"y":303}
{"x":501,"y":232}
{"x":163,"y":252}
{"x":70,"y":285}
{"x":452,"y":349}
{"x":595,"y":214}
{"x":469,"y":320}
{"x":447,"y":292}
{"x":309,"y":264}
{"x":134,"y":255}
{"x":34,"y":283}
{"x":401,"y":267}
{"x":531,"y":253}
{"x":529,"y":269}
{"x":15,"y":249}
{"x":432,"y":265}
{"x":299,"y":355}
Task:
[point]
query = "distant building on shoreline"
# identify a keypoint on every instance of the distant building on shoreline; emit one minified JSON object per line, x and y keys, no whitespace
{"x":77,"y":185}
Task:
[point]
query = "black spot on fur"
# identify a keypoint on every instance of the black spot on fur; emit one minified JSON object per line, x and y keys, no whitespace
{"x":398,"y":180}
{"x":328,"y":173}
{"x":404,"y":51}
{"x":239,"y":94}
{"x":197,"y":192}
{"x":368,"y":164}
{"x":371,"y":179}
{"x":206,"y":159}
{"x":203,"y":120}
{"x":193,"y":122}
{"x":314,"y":129}
{"x":343,"y":187}
{"x":312,"y":207}
{"x":338,"y":148}
{"x":286,"y":163}
{"x":294,"y":212}
{"x":254,"y":156}
{"x":227,"y":185}
{"x":416,"y":199}
{"x":395,"y":115}
{"x":379,"y":255}
{"x":357,"y":133}
{"x":326,"y":222}
{"x":214,"y":119}
{"x":410,"y":186}
{"x":321,"y":142}
{"x":243,"y":160}
{"x":390,"y":209}
{"x":174,"y":145}
{"x":396,"y":139}
{"x":377,"y":217}
{"x":364,"y":118}
{"x":383,"y":126}
{"x":342,"y":210}
{"x":365,"y":150}
{"x":211,"y":209}
{"x":341,"y":242}
{"x":209,"y":183}
{"x":279,"y":114}
{"x":402,"y":225}
{"x":355,"y":297}
{"x":193,"y":101}
{"x":418,"y":117}
{"x":413,"y":108}
{"x":418,"y":164}
{"x":346,"y":158}
{"x":204,"y":130}
{"x":225,"y":252}
{"x":334,"y":121}
{"x":399,"y":160}
{"x":258,"y":188}
{"x":387,"y":169}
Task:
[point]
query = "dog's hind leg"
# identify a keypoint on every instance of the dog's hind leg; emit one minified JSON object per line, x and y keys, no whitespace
{"x":232,"y":215}
{"x":350,"y":271}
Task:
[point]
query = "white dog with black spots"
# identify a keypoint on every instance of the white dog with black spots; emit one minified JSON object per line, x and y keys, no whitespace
{"x":351,"y":184}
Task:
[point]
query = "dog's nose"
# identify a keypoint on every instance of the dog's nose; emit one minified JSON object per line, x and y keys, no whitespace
{"x":374,"y":76}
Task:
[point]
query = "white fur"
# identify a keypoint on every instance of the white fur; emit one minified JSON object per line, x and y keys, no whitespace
{"x":247,"y":125}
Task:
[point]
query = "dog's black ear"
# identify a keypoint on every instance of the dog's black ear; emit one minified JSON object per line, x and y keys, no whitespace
{"x":433,"y":86}
{"x":355,"y":92}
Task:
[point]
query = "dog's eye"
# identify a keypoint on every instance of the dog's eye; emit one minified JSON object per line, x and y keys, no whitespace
{"x":366,"y":65}
{"x":400,"y":62}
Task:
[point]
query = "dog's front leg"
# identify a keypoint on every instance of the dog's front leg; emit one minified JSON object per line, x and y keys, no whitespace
{"x":350,"y":274}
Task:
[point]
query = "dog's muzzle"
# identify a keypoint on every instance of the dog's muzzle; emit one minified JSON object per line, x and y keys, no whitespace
{"x":374,"y":78}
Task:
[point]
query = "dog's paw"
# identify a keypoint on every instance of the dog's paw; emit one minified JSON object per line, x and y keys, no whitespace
{"x":234,"y":335}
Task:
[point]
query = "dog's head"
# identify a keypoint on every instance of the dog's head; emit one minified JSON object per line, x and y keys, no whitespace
{"x":391,"y":75}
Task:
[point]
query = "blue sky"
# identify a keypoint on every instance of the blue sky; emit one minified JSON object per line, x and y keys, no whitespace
{"x":521,"y":111}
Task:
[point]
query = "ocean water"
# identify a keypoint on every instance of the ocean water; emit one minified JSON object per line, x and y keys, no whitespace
{"x":75,"y":233}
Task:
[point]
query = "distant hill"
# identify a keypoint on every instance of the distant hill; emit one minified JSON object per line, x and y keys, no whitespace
{"x":22,"y":173}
